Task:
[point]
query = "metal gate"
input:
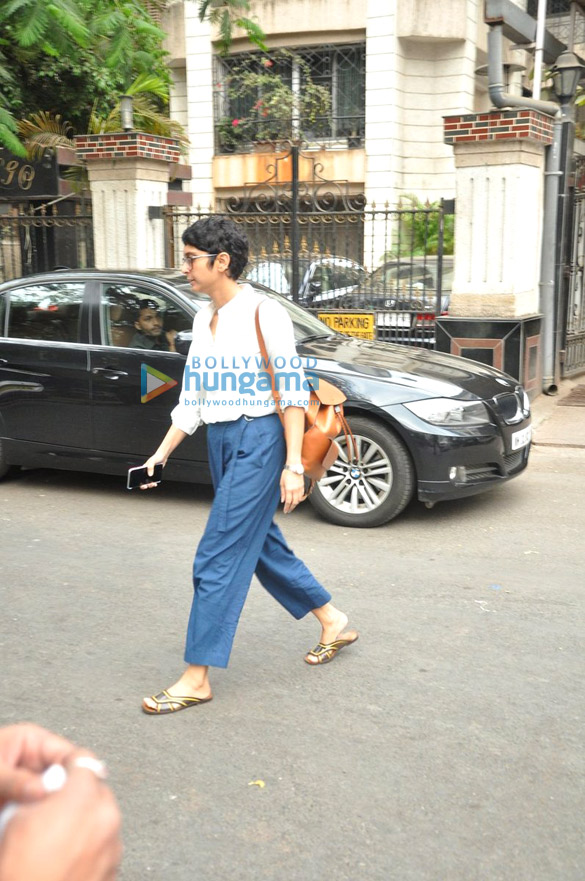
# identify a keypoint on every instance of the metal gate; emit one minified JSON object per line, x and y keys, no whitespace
{"x":37,"y":238}
{"x":371,"y":271}
{"x":572,"y":318}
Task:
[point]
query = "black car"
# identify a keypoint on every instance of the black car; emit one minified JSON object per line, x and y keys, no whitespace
{"x":76,"y":394}
{"x":404,"y":294}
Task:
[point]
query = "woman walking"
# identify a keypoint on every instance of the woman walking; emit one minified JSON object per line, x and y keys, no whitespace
{"x":253,"y":462}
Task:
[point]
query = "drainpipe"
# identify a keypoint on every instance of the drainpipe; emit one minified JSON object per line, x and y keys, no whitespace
{"x":553,"y":175}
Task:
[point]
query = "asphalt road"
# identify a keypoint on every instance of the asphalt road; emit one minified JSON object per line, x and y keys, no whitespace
{"x":446,"y":745}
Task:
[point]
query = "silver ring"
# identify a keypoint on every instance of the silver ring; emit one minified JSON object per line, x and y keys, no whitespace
{"x":94,"y":765}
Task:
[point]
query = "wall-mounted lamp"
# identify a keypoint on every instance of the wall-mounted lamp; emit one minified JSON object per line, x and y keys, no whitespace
{"x":126,"y":113}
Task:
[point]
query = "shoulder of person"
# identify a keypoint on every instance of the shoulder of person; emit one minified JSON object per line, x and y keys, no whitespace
{"x":270,"y":309}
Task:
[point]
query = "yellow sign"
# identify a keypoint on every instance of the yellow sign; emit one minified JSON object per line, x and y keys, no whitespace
{"x":358,"y":324}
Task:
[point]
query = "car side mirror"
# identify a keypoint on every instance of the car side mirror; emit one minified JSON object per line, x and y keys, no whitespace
{"x":183,"y":341}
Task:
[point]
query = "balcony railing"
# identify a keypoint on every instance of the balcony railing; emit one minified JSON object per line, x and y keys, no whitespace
{"x":249,"y":134}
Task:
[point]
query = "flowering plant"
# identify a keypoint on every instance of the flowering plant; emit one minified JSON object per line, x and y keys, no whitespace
{"x":266,"y":105}
{"x":231,"y":133}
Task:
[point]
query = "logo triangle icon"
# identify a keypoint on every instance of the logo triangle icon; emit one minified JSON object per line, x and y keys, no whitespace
{"x":153,"y":383}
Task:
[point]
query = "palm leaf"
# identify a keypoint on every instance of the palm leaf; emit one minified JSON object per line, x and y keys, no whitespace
{"x":204,"y":5}
{"x":31,"y":30}
{"x":68,"y":17}
{"x":254,"y":32}
{"x":11,"y":7}
{"x":118,"y":49}
{"x":7,"y":133}
{"x":44,"y":121}
{"x":106,"y":22}
{"x":225,"y":32}
{"x":149,"y":27}
{"x":151,"y":84}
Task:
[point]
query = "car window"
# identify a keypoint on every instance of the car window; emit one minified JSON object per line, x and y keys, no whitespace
{"x":345,"y":277}
{"x":46,"y":312}
{"x":3,"y":301}
{"x":320,"y":279}
{"x":135,"y":317}
{"x":271,"y":274}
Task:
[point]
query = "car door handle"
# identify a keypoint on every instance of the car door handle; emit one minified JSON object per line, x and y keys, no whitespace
{"x":3,"y":362}
{"x":109,"y":372}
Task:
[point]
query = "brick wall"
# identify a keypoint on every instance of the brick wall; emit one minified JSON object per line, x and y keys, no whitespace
{"x":498,"y":125}
{"x":127,"y":145}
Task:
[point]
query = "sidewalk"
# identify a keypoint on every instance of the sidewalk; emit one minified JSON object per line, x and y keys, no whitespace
{"x":557,"y":424}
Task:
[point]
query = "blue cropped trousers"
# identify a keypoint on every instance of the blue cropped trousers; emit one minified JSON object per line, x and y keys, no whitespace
{"x":246,"y":459}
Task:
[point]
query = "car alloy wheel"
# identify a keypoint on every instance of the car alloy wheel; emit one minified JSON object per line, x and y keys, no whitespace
{"x":376,"y":488}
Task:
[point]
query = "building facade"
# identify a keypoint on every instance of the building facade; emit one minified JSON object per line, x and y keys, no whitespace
{"x":392,"y":68}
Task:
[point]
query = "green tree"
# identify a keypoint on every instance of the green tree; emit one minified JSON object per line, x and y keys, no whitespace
{"x":75,"y":56}
{"x":418,"y":229}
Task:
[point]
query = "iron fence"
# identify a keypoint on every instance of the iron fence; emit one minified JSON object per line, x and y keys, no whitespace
{"x":39,"y":238}
{"x":572,"y":313}
{"x":375,"y":271}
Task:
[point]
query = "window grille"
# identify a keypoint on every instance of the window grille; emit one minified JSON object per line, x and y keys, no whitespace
{"x":558,"y":20}
{"x":243,"y":87}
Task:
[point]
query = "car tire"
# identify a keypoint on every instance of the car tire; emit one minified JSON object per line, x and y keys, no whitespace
{"x":374,"y":492}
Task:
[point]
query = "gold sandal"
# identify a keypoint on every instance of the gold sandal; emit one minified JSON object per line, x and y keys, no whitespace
{"x":171,"y":703}
{"x":326,"y":652}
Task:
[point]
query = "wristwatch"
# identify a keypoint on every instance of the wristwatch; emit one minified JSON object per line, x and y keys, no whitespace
{"x":296,"y":469}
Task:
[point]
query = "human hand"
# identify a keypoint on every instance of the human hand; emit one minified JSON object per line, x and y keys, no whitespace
{"x":70,"y":835}
{"x":25,"y":752}
{"x":292,"y":490}
{"x":149,"y":465}
{"x":170,"y":335}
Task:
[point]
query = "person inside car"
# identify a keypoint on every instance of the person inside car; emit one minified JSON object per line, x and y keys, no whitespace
{"x":149,"y":330}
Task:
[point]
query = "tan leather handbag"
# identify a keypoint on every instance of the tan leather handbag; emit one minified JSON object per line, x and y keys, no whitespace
{"x":324,"y":420}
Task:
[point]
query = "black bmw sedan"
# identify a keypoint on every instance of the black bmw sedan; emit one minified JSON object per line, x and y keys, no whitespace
{"x":91,"y":365}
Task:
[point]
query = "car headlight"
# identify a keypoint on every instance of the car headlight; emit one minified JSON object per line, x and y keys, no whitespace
{"x":444,"y":411}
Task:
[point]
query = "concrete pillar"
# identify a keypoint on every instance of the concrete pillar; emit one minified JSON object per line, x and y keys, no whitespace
{"x":199,"y":89}
{"x":128,"y":177}
{"x":383,"y":158}
{"x":494,"y":309}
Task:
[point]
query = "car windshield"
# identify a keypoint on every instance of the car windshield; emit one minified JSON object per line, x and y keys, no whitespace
{"x":304,"y":323}
{"x":416,"y":276}
{"x":276,"y":274}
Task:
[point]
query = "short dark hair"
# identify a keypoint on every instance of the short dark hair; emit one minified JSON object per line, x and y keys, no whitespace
{"x":216,"y":234}
{"x":141,"y":305}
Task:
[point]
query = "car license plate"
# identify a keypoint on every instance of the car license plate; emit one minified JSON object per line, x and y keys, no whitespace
{"x":394,"y":319}
{"x":521,"y":438}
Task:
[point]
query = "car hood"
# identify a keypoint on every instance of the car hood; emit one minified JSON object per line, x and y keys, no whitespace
{"x":404,"y":373}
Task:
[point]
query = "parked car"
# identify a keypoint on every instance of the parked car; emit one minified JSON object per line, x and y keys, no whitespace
{"x":405,"y":296}
{"x":76,"y":395}
{"x":322,"y":281}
